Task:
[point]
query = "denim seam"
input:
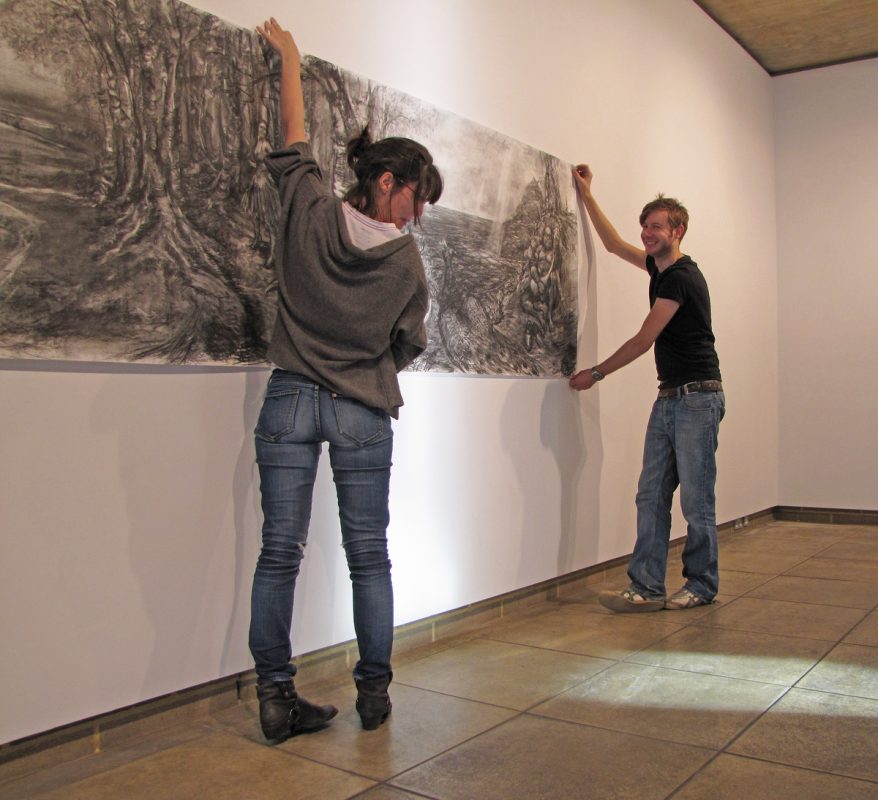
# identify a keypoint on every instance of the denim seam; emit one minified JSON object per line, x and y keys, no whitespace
{"x":317,"y":411}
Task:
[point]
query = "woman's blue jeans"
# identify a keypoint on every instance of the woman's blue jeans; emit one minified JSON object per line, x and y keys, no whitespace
{"x":297,"y":416}
{"x":680,"y":449}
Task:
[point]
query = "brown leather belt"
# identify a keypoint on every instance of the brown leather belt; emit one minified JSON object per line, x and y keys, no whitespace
{"x":690,"y":388}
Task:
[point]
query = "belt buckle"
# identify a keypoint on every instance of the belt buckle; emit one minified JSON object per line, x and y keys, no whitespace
{"x":690,"y":388}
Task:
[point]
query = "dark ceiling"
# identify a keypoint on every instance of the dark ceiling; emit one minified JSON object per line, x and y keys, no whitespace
{"x":792,"y":35}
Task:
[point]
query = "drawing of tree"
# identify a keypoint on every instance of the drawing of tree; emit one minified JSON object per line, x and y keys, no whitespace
{"x":176,"y":104}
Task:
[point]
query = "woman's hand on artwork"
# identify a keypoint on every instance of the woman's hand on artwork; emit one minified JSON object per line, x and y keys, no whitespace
{"x":291,"y":102}
{"x":281,"y":41}
{"x":582,"y":175}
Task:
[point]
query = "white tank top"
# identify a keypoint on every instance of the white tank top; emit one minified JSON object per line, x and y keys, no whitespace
{"x":366,"y":232}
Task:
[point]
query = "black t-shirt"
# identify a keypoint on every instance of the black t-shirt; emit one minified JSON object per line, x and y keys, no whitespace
{"x":684,"y":350}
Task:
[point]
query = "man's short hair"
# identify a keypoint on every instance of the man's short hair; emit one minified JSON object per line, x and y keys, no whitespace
{"x":677,"y":213}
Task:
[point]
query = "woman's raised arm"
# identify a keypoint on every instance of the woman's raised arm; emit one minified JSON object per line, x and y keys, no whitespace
{"x":292,"y":104}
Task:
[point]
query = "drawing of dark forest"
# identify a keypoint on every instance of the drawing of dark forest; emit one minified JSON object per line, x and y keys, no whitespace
{"x":129,"y":183}
{"x":137,"y":219}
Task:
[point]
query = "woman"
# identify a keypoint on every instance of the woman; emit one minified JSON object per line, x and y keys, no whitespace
{"x":352,"y":296}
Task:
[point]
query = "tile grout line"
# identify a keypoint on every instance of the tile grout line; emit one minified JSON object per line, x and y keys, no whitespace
{"x":613,"y":662}
{"x":801,"y":767}
{"x":760,"y":716}
{"x":866,"y":612}
{"x":724,"y":749}
{"x":838,"y":642}
{"x":552,"y":608}
{"x":527,"y":712}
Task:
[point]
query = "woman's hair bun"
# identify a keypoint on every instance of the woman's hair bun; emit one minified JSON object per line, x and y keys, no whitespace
{"x":407,"y":161}
{"x":357,"y":147}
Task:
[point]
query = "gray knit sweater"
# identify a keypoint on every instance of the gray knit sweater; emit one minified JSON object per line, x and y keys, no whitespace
{"x":348,"y":319}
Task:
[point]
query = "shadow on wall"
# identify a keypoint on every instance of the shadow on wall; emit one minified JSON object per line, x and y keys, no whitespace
{"x":576,"y":448}
{"x":247,"y":516}
{"x":581,"y":533}
{"x":174,"y":483}
{"x":578,"y":452}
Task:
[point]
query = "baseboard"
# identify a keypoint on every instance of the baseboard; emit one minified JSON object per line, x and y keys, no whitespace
{"x":125,"y":725}
{"x":826,"y":516}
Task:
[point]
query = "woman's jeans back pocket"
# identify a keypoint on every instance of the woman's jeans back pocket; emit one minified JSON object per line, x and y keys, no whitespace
{"x":358,"y":423}
{"x":278,"y":415}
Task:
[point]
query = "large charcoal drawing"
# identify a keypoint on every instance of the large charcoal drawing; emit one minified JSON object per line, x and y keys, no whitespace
{"x":138,"y":218}
{"x":501,"y":249}
{"x":134,"y":221}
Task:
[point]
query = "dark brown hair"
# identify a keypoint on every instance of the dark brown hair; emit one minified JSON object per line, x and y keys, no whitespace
{"x":677,"y":213}
{"x":405,"y":159}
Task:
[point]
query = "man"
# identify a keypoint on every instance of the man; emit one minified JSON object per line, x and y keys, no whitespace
{"x":681,"y":437}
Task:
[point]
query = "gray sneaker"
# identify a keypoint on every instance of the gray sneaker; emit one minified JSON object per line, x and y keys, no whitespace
{"x":629,"y":600}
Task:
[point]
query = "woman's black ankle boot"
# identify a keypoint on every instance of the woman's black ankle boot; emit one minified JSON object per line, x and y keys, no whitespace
{"x":282,"y":713}
{"x":373,"y":702}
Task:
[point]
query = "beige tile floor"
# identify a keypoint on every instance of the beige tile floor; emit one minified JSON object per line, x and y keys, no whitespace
{"x":770,"y":693}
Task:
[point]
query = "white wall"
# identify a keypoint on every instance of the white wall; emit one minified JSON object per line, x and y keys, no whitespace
{"x":128,"y":501}
{"x":827,"y":176}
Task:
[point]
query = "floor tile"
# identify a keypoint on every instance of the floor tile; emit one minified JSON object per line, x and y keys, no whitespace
{"x":759,"y":562}
{"x":853,"y":550}
{"x":867,"y":534}
{"x":598,"y":634}
{"x":422,"y":724}
{"x":389,"y":793}
{"x":218,"y":767}
{"x":765,"y":658}
{"x":783,"y":618}
{"x":585,"y":593}
{"x":80,"y":748}
{"x":732,"y":582}
{"x":866,"y":632}
{"x":822,"y":591}
{"x":847,"y":669}
{"x":677,"y":706}
{"x":509,"y":675}
{"x":531,"y":757}
{"x":734,"y":777}
{"x":827,"y":732}
{"x":67,"y":772}
{"x":794,"y":532}
{"x":798,"y":546}
{"x":842,"y":569}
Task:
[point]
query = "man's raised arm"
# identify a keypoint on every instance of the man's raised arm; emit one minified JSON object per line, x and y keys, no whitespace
{"x":582,"y":175}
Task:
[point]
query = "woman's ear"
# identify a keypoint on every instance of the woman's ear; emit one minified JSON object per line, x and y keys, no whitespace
{"x":386,"y":182}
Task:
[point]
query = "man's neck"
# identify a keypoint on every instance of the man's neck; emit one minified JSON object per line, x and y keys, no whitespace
{"x":672,"y":257}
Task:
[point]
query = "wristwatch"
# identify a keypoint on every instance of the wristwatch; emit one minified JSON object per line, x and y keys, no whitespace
{"x":597,"y":374}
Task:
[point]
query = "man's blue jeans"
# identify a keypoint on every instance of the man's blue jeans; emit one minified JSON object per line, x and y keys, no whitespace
{"x":680,"y":449}
{"x":297,"y":416}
